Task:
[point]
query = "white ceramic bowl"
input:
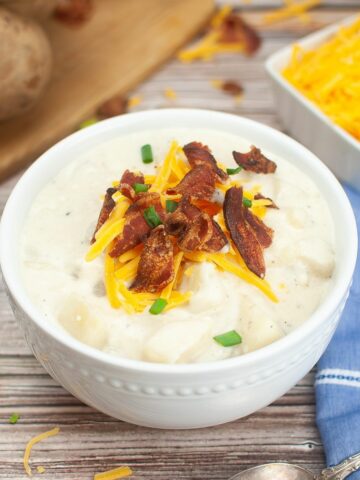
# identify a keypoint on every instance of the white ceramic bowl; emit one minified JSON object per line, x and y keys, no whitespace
{"x":177,"y":396}
{"x":306,"y":122}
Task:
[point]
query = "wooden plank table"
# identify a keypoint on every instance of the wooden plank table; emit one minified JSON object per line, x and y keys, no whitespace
{"x":89,"y":441}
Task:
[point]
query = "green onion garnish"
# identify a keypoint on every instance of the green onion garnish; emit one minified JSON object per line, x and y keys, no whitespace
{"x":14,"y":418}
{"x":247,"y":202}
{"x":171,"y":206}
{"x":228,"y":339}
{"x":140,"y":187}
{"x":147,"y":154}
{"x":88,"y":122}
{"x":158,"y":306}
{"x":151,"y":217}
{"x":233,"y":171}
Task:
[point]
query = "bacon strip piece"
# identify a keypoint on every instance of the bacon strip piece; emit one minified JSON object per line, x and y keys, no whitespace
{"x":242,"y":234}
{"x":156,"y":266}
{"x":199,"y":154}
{"x":254,"y":161}
{"x":106,"y":209}
{"x":195,"y":229}
{"x":235,"y":30}
{"x":127,"y":181}
{"x":198,"y":183}
{"x":136,"y":229}
{"x":263,"y":233}
{"x":260,"y":196}
{"x":217,"y":240}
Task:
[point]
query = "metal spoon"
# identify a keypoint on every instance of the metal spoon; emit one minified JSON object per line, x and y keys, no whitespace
{"x":287,"y":471}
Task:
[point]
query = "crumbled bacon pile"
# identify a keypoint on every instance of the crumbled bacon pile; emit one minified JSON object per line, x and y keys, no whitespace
{"x":191,"y":227}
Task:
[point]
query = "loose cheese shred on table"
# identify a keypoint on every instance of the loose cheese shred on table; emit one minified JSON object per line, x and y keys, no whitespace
{"x":329,"y":76}
{"x":134,"y":101}
{"x":33,"y":442}
{"x":291,"y":9}
{"x":114,"y":474}
{"x":170,"y":93}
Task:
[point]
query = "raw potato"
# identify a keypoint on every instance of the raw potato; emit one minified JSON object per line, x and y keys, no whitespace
{"x":25,"y":63}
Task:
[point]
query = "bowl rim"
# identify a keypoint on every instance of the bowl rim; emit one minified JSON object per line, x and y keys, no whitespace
{"x":283,"y":55}
{"x":326,"y":308}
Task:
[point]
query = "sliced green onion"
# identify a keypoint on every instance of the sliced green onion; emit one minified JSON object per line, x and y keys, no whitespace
{"x":140,"y":187}
{"x":151,"y":217}
{"x":247,"y":202}
{"x":228,"y":339}
{"x":158,"y":306}
{"x":233,"y":171}
{"x":171,"y":206}
{"x":147,"y":154}
{"x":14,"y":418}
{"x":88,"y":122}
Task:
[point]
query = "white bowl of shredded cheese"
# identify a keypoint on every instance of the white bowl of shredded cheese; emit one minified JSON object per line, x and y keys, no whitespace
{"x":167,"y":371}
{"x":331,"y":128}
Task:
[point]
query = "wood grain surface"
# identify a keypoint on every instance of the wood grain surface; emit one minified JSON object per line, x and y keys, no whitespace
{"x":116,"y":49}
{"x":90,"y":441}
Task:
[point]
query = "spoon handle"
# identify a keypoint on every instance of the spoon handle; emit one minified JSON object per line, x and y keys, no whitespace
{"x":342,"y":470}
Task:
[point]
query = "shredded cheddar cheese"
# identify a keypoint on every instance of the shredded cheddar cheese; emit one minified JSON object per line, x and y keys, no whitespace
{"x":329,"y":76}
{"x":209,"y":45}
{"x":130,"y":254}
{"x":165,"y":170}
{"x":177,"y":299}
{"x":115,"y":474}
{"x":170,"y":93}
{"x":227,"y":264}
{"x":128,"y":271}
{"x":291,"y":9}
{"x":168,"y":289}
{"x":134,"y":101}
{"x":33,"y":442}
{"x":103,"y":240}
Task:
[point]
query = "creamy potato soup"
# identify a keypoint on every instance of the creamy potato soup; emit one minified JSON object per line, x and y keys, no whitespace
{"x":168,"y":299}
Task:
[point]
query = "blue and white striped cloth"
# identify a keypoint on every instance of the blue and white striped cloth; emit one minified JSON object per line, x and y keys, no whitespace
{"x":338,"y":377}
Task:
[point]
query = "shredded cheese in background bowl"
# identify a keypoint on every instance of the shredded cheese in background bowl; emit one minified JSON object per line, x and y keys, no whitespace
{"x":329,"y":76}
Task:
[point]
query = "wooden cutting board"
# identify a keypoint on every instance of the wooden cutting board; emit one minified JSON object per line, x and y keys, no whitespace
{"x":124,"y":41}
